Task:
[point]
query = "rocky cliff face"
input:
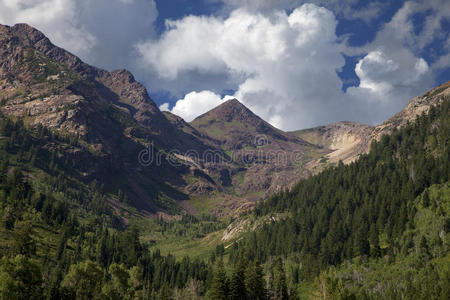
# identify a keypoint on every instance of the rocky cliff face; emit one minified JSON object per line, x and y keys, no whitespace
{"x":415,"y":107}
{"x":33,"y":69}
{"x":345,"y":140}
{"x":234,"y":127}
{"x":268,"y":159}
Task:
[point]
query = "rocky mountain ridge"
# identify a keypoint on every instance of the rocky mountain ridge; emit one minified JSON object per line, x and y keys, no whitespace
{"x":114,"y":120}
{"x":348,"y":140}
{"x":109,"y":112}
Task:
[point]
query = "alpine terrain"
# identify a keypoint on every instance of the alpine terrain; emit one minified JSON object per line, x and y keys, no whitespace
{"x":103,"y":196}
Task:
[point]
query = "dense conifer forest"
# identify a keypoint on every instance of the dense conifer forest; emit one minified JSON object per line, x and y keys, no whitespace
{"x":377,"y":228}
{"x":369,"y":210}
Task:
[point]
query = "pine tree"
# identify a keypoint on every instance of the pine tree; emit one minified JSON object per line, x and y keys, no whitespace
{"x":238,"y":290}
{"x":219,"y":287}
{"x":84,"y":279}
{"x":277,"y":282}
{"x":254,"y":282}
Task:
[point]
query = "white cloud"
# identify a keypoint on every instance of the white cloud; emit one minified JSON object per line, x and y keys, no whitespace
{"x":346,"y":9}
{"x":382,"y":74}
{"x":442,"y":62}
{"x":388,"y":81}
{"x":184,"y":46}
{"x":281,"y":65}
{"x":393,"y":72}
{"x":164,"y":107}
{"x":285,"y":63}
{"x":58,"y":18}
{"x":195,"y":104}
{"x":102,"y":32}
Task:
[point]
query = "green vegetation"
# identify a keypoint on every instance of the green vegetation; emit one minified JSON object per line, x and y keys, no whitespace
{"x":60,"y":239}
{"x":377,"y":228}
{"x":372,"y":214}
{"x":193,"y":236}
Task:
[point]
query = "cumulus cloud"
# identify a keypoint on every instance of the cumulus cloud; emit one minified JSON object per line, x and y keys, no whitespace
{"x":393,"y":71}
{"x":164,"y":107}
{"x":284,"y":64}
{"x":280,"y":60}
{"x":351,"y":9}
{"x":380,"y":73}
{"x":278,"y":57}
{"x":178,"y":50}
{"x":58,"y":18}
{"x":195,"y":104}
{"x":388,"y":81}
{"x":102,"y":32}
{"x":118,"y":26}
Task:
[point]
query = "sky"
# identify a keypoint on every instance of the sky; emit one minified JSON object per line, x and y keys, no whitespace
{"x":295,"y":63}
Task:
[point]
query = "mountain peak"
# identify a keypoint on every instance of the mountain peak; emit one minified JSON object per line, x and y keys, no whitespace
{"x":228,"y":111}
{"x":25,"y":43}
{"x":234,"y":102}
{"x":25,"y":30}
{"x":237,"y":126}
{"x":123,"y":75}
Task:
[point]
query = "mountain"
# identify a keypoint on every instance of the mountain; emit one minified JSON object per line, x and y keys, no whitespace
{"x":346,"y":141}
{"x":260,"y":158}
{"x":35,"y":67}
{"x":110,"y":113}
{"x":373,"y":229}
{"x":113,"y":119}
{"x":222,"y":163}
{"x":235,"y":127}
{"x":417,"y":106}
{"x":87,"y":160}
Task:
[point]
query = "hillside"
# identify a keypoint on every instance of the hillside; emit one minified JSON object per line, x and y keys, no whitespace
{"x":258,"y":158}
{"x":109,"y":113}
{"x":346,"y":141}
{"x":376,"y":228}
{"x":222,"y":163}
{"x":235,"y":127}
{"x":114,"y":121}
{"x":376,"y":211}
{"x":83,"y":215}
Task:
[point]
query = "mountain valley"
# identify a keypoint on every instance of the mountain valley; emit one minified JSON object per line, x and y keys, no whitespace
{"x":105,"y":196}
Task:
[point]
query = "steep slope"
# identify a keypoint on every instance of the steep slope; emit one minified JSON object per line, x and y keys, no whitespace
{"x":415,"y":108}
{"x":267,"y":159}
{"x":115,"y":122}
{"x":31,"y":62}
{"x":110,"y":114}
{"x":384,"y":218}
{"x":346,"y":141}
{"x":222,"y":162}
{"x":235,"y":127}
{"x":373,"y":229}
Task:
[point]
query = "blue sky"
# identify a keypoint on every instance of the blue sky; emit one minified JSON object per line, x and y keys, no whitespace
{"x":359,"y":31}
{"x":295,"y":63}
